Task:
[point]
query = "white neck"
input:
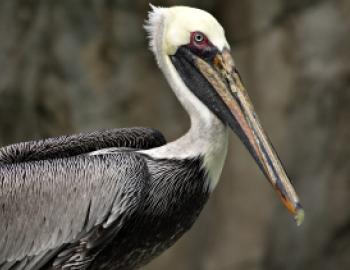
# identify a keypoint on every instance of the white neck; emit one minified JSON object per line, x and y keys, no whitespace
{"x":207,"y":136}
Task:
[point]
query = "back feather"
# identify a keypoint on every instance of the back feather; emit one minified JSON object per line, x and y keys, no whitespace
{"x":77,"y":144}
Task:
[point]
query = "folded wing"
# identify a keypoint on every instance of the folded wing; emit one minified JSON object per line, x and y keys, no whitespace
{"x":58,"y":210}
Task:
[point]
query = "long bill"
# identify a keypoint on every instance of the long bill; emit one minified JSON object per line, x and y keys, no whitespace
{"x":225,"y":80}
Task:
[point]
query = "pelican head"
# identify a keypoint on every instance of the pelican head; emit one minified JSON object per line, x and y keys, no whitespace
{"x":190,"y":46}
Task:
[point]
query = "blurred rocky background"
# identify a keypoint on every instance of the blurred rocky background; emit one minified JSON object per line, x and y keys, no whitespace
{"x":77,"y":65}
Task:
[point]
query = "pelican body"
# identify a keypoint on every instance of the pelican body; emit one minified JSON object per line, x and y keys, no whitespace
{"x":115,"y":199}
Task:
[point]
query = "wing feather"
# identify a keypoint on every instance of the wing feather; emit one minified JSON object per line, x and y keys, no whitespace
{"x":47,"y":204}
{"x":73,"y":145}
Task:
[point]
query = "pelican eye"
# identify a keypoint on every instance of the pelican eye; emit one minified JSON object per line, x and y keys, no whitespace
{"x":198,"y":37}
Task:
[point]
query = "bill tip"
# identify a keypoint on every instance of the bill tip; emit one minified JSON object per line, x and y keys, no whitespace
{"x":299,"y":216}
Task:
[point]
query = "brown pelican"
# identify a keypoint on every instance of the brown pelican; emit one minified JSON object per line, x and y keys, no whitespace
{"x":116,"y":199}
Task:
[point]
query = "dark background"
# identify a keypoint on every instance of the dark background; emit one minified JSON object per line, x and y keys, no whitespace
{"x":69,"y":66}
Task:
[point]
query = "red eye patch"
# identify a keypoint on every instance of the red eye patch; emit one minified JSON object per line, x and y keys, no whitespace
{"x":199,"y":40}
{"x":201,"y":46}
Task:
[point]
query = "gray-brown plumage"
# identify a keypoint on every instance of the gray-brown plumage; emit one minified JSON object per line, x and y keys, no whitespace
{"x":73,"y":197}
